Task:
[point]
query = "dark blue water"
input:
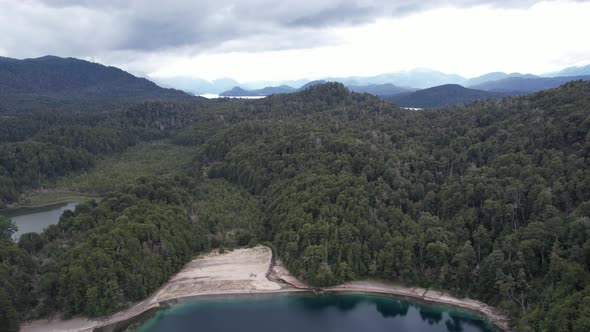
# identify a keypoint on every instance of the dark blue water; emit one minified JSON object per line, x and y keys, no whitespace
{"x":310,"y":313}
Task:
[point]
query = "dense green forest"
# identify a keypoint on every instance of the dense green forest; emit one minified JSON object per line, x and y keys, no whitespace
{"x":490,"y":200}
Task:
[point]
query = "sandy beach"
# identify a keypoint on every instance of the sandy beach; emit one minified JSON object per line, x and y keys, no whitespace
{"x":241,"y":271}
{"x":247,"y":271}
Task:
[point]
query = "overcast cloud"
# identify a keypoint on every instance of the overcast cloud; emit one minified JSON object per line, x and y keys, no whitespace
{"x":152,"y":34}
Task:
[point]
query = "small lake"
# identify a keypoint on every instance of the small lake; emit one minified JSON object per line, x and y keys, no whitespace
{"x":37,"y":219}
{"x":313,"y":313}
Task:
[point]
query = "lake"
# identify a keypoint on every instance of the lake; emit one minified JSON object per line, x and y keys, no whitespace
{"x":311,"y":313}
{"x":37,"y":219}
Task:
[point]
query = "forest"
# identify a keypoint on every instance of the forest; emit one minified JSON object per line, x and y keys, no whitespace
{"x":489,"y":200}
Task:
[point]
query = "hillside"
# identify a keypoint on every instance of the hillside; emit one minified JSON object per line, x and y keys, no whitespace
{"x":488,"y":200}
{"x":52,"y":76}
{"x":443,"y":95}
{"x":523,"y":85}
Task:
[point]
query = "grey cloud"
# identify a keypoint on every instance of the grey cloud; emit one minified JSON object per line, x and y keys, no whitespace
{"x":82,"y":28}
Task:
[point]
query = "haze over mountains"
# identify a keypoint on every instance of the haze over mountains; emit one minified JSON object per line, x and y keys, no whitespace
{"x":456,"y":89}
{"x":410,"y":80}
{"x":523,"y":85}
{"x":73,"y":82}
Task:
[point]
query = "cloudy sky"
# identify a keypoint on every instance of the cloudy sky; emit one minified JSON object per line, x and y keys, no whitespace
{"x":278,"y":40}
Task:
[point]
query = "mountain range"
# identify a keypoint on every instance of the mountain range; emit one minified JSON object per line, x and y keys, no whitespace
{"x":411,"y":79}
{"x":499,"y":85}
{"x":70,"y":83}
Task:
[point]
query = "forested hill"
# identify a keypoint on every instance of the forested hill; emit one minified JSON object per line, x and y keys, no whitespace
{"x":489,"y":200}
{"x":53,"y":76}
{"x":442,"y":95}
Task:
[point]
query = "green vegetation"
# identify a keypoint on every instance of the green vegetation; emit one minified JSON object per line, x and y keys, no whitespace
{"x":489,"y":200}
{"x":16,"y":274}
{"x":442,"y":95}
{"x":108,"y":254}
{"x":69,"y":77}
{"x":50,"y":197}
{"x":155,"y":158}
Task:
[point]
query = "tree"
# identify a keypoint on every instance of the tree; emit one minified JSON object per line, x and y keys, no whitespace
{"x":7,"y":228}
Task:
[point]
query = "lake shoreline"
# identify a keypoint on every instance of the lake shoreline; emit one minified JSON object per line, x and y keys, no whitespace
{"x":67,"y":197}
{"x":246,"y":272}
{"x":488,"y":313}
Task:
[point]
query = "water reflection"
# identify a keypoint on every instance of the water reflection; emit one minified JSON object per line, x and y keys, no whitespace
{"x":319,"y":303}
{"x":432,"y":316}
{"x":454,"y":324}
{"x":311,"y":313}
{"x":390,"y":308}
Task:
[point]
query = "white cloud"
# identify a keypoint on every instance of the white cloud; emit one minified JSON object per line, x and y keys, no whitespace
{"x":468,"y":41}
{"x":266,"y":40}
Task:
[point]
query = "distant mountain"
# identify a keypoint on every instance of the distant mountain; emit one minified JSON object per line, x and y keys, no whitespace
{"x":571,"y":71}
{"x":494,"y":77}
{"x":380,"y":89}
{"x":415,"y":78}
{"x":267,"y":91}
{"x":235,"y":91}
{"x":442,"y":95}
{"x":411,"y":79}
{"x":52,"y":76}
{"x":312,"y":83}
{"x":197,"y":85}
{"x":520,"y":85}
{"x":375,"y":89}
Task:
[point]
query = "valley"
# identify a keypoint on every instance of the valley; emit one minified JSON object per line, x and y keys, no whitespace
{"x":346,"y":187}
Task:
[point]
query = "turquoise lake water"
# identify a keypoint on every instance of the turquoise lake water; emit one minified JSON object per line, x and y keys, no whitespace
{"x":311,"y":313}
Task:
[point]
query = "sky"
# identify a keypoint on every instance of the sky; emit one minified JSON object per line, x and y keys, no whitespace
{"x":269,"y":40}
